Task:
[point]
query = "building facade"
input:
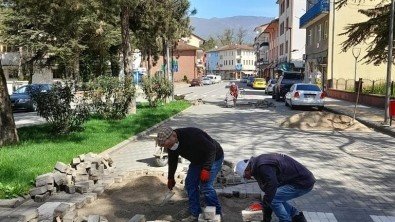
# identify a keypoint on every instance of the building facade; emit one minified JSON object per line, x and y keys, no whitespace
{"x":261,"y":45}
{"x":236,"y":61}
{"x":327,"y":64}
{"x":291,"y":38}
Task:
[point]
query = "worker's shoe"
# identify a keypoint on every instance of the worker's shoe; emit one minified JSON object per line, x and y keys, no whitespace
{"x":190,"y":219}
{"x":299,"y":218}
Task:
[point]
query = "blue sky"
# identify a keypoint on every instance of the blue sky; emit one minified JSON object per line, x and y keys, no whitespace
{"x":228,"y":8}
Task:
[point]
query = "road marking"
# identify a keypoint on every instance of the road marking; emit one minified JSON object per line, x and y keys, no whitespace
{"x":376,"y":218}
{"x":319,"y":216}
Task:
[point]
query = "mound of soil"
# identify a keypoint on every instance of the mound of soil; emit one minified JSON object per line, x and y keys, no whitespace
{"x":323,"y":121}
{"x":143,"y":195}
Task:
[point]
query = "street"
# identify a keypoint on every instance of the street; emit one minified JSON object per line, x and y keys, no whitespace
{"x":355,"y":171}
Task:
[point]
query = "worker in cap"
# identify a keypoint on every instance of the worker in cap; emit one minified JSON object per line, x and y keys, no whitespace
{"x":206,"y":156}
{"x":281,"y":178}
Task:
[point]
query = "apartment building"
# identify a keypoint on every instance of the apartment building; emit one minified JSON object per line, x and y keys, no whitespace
{"x":326,"y":62}
{"x":231,"y":61}
{"x":261,"y":45}
{"x":291,"y":39}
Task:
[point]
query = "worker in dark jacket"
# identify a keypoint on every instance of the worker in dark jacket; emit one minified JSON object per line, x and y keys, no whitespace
{"x":281,"y":178}
{"x":206,"y":157}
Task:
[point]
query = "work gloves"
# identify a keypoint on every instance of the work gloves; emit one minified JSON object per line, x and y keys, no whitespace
{"x":204,"y":175}
{"x":171,"y":183}
{"x":255,"y":206}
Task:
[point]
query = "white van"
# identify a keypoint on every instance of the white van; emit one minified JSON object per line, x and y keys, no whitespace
{"x":214,"y":78}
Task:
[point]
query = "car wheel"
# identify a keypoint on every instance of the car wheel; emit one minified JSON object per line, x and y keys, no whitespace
{"x":278,"y":97}
{"x":320,"y":108}
{"x":273,"y":95}
{"x":34,"y":107}
{"x":290,"y":105}
{"x":286,"y":104}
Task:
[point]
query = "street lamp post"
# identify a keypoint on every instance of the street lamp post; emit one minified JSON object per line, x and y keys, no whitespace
{"x":356,"y":52}
{"x":389,"y":65}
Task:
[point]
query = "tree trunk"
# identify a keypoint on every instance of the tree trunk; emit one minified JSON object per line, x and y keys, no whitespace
{"x":126,"y":52}
{"x":8,"y":131}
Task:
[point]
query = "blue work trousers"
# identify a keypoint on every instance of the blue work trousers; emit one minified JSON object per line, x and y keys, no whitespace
{"x":193,"y":186}
{"x":280,"y":206}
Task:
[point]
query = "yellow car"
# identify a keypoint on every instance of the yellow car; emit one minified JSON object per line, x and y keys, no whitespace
{"x":259,"y":83}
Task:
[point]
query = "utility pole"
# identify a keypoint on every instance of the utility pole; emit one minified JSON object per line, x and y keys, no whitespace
{"x":389,"y":66}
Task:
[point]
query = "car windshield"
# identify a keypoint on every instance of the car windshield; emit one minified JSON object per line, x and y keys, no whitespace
{"x":21,"y":90}
{"x":292,"y":76}
{"x":258,"y":80}
{"x":206,"y":79}
{"x":308,"y":88}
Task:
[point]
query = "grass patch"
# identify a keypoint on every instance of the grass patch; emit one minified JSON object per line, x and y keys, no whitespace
{"x":39,"y":149}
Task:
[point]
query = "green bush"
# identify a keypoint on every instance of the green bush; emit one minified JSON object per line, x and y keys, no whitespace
{"x":156,"y":89}
{"x":55,"y":106}
{"x":110,"y":97}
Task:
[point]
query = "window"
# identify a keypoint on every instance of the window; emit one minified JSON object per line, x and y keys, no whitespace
{"x":309,"y":37}
{"x":238,"y":52}
{"x":326,"y":30}
{"x":282,"y":8}
{"x":286,"y":24}
{"x":281,"y":49}
{"x":238,"y":61}
{"x":287,"y":3}
{"x":319,"y":33}
{"x":281,"y":28}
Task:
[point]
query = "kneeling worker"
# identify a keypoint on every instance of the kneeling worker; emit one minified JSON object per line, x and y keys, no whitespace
{"x":206,"y":157}
{"x":281,"y":178}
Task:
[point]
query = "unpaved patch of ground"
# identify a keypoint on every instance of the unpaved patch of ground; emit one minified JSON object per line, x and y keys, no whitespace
{"x":143,"y":195}
{"x":323,"y":121}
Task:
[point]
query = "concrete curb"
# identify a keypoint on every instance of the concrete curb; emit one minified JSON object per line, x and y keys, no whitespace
{"x":383,"y":129}
{"x":141,"y":134}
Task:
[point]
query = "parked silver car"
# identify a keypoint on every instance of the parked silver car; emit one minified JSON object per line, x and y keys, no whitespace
{"x":305,"y":94}
{"x":269,"y":86}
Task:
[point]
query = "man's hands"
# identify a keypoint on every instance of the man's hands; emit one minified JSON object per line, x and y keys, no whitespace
{"x":171,"y":183}
{"x":204,"y":175}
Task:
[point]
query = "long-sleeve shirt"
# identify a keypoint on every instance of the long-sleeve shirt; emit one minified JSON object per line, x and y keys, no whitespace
{"x":196,"y":146}
{"x":275,"y":170}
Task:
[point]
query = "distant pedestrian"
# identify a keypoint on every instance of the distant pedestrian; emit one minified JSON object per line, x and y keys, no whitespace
{"x":282,"y":178}
{"x":234,"y":92}
{"x":206,"y":157}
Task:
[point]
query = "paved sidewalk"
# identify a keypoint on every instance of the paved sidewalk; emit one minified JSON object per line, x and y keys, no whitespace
{"x":371,"y":116}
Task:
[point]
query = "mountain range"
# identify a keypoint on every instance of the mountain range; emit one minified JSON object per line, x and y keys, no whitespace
{"x":215,"y":26}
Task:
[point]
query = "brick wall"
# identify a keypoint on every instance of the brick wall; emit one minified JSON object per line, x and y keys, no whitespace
{"x":365,"y":99}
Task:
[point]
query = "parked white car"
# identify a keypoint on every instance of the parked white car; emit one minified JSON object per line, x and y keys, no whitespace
{"x":207,"y":81}
{"x":306,"y":95}
{"x":214,"y":78}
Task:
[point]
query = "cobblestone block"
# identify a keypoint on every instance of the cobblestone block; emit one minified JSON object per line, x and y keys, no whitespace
{"x":38,"y":190}
{"x":70,"y":216}
{"x":11,"y":203}
{"x":39,"y":198}
{"x":138,"y":218}
{"x":61,"y":210}
{"x":25,"y":213}
{"x":217,"y":218}
{"x":94,"y":218}
{"x":59,"y":178}
{"x":69,"y":189}
{"x":46,"y":211}
{"x":81,"y":178}
{"x":90,"y":197}
{"x":98,"y":190}
{"x":44,"y":179}
{"x":209,"y":213}
{"x":252,"y":215}
{"x":61,"y":167}
{"x":118,"y":179}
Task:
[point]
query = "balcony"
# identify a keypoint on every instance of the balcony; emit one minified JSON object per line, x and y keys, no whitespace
{"x":315,"y":13}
